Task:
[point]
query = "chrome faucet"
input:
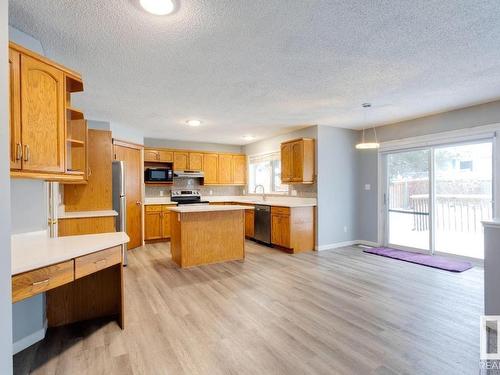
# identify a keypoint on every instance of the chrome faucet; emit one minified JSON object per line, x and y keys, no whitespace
{"x":263,"y":191}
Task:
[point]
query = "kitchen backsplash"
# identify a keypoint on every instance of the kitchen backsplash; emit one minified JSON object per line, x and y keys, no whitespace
{"x":306,"y":191}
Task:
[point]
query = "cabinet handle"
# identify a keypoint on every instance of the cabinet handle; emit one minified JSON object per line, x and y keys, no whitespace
{"x":19,"y":151}
{"x":36,"y":283}
{"x":89,"y":173}
{"x":26,"y":152}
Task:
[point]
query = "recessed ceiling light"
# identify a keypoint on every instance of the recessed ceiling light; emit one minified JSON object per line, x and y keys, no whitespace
{"x":158,"y":7}
{"x":248,"y":137}
{"x":193,"y":122}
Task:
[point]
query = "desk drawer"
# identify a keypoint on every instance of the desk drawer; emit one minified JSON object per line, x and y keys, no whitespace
{"x":30,"y":283}
{"x":95,"y":262}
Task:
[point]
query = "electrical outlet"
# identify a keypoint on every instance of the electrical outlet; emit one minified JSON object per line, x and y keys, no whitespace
{"x":211,"y":192}
{"x":345,"y":228}
{"x":294,"y":192}
{"x":162,"y":193}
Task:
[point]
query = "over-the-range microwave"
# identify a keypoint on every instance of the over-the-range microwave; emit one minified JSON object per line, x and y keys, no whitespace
{"x":158,"y":175}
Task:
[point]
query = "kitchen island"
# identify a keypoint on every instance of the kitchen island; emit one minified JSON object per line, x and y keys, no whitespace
{"x":204,"y":234}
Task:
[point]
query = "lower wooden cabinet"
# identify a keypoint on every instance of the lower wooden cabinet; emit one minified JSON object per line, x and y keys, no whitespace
{"x":30,"y":283}
{"x":249,"y":223}
{"x":293,"y":228}
{"x":157,"y":222}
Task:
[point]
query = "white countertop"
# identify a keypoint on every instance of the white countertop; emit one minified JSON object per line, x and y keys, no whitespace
{"x":83,"y":214}
{"x":282,"y":201}
{"x":186,"y":208}
{"x":34,"y":250}
{"x":493,"y":223}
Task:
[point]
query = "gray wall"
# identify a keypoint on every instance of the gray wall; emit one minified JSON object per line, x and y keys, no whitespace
{"x":29,"y":205}
{"x":182,"y":145}
{"x":5,"y":276}
{"x":337,"y":162}
{"x":478,"y":115}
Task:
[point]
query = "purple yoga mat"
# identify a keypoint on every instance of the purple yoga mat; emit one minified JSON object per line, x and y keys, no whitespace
{"x":423,"y":259}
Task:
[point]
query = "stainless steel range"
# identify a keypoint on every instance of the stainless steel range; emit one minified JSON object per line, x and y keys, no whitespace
{"x":186,"y":197}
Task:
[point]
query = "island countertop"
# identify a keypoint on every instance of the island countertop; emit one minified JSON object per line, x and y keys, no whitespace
{"x":208,"y":208}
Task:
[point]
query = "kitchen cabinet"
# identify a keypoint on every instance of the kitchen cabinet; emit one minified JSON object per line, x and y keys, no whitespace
{"x":97,"y":193}
{"x":218,"y":168}
{"x":16,"y":151}
{"x":297,"y":161}
{"x":239,"y":169}
{"x":249,"y":223}
{"x":286,"y":162}
{"x":41,"y":119}
{"x":181,"y":161}
{"x":225,"y":169}
{"x":158,"y":156}
{"x":157,"y":222}
{"x":210,"y":168}
{"x":165,"y":222}
{"x":42,"y":116}
{"x":152,"y":222}
{"x":292,"y":228}
{"x":195,"y":161}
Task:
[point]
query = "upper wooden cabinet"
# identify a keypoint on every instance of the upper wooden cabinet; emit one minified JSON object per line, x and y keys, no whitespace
{"x":42,"y":116}
{"x":225,"y":169}
{"x":181,"y":160}
{"x":210,"y":168}
{"x":297,"y":161}
{"x":16,"y":152}
{"x":195,"y":161}
{"x":40,"y":119}
{"x":158,"y":155}
{"x":239,"y":169}
{"x":218,"y":168}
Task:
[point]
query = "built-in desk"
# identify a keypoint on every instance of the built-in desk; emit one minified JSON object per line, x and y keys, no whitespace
{"x":82,"y":276}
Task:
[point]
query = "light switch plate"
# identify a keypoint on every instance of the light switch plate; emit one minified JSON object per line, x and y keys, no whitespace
{"x":368,"y":187}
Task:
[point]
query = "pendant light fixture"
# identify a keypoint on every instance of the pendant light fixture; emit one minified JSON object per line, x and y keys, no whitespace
{"x":368,"y":145}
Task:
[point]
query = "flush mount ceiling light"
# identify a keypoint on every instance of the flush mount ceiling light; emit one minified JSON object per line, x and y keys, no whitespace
{"x":248,"y":137}
{"x":193,"y":122}
{"x":158,"y":7}
{"x":368,"y":145}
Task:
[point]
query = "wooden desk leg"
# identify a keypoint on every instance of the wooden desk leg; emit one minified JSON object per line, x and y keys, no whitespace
{"x":97,"y":295}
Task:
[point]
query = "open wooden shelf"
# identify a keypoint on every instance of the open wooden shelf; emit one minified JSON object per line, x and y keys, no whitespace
{"x":74,"y":114}
{"x":73,"y":84}
{"x":75,"y":142}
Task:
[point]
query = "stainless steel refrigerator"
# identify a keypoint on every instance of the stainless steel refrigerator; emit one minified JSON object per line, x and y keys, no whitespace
{"x":120,"y":201}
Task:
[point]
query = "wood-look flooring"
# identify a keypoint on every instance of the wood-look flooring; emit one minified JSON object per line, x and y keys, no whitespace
{"x":334,"y":312}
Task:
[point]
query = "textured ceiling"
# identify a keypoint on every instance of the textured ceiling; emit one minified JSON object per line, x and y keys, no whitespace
{"x":263,"y":67}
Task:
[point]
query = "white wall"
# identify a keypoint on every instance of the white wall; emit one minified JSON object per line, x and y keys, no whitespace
{"x":5,"y":265}
{"x":126,"y":133}
{"x":273,"y":144}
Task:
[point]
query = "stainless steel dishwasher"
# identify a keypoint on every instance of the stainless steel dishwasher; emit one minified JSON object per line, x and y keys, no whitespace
{"x":262,"y":223}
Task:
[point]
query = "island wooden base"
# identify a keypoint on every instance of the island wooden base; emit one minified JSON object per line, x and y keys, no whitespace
{"x":207,"y":237}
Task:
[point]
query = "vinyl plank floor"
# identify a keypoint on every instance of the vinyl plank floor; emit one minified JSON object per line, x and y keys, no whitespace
{"x":335,"y":312}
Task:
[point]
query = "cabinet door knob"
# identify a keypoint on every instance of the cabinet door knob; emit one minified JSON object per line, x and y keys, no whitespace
{"x":138,"y":203}
{"x":19,"y":151}
{"x":26,"y":152}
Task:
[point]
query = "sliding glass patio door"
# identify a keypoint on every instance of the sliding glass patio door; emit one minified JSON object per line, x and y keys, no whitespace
{"x":408,"y":199}
{"x":436,"y":198}
{"x":463,"y":198}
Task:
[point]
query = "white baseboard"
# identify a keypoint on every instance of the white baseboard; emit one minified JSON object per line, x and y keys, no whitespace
{"x":29,"y":340}
{"x":336,"y":245}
